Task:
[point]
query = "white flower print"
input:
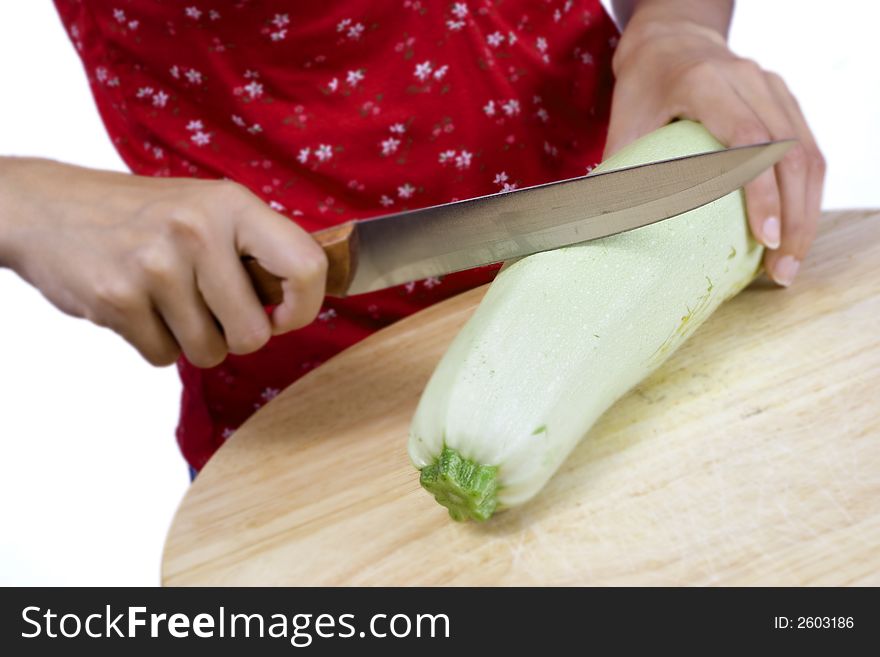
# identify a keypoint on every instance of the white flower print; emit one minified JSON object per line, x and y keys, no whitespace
{"x":463,"y":160}
{"x":541,"y":44}
{"x":303,"y":156}
{"x":441,"y":72}
{"x":324,"y":152}
{"x":557,"y":16}
{"x":500,"y":178}
{"x":333,"y":85}
{"x":251,"y":75}
{"x":227,"y":433}
{"x":133,"y":25}
{"x":160,"y":99}
{"x":278,"y":35}
{"x":254,"y":89}
{"x":410,"y":287}
{"x":201,"y":138}
{"x":389,"y":145}
{"x":214,"y":15}
{"x":550,"y":149}
{"x":101,"y":74}
{"x":489,"y":108}
{"x":280,"y":20}
{"x":195,"y":125}
{"x":256,"y":128}
{"x":446,"y":156}
{"x":353,"y":78}
{"x":423,"y":71}
{"x":508,"y":187}
{"x":193,"y":12}
{"x":275,"y":205}
{"x":355,"y":31}
{"x":194,"y":76}
{"x":386,"y":201}
{"x":119,"y":15}
{"x":237,"y":120}
{"x":269,"y":394}
{"x":511,"y":107}
{"x":586,"y":58}
{"x":406,"y":191}
{"x":459,"y":10}
{"x":431,"y":282}
{"x":144,"y":92}
{"x":341,"y":25}
{"x":542,"y":115}
{"x":327,"y":315}
{"x":455,"y":26}
{"x":158,"y":153}
{"x":175,"y":72}
{"x":511,"y":38}
{"x":397,"y":129}
{"x":495,"y":39}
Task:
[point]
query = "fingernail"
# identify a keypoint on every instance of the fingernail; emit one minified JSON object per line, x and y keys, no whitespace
{"x":785,"y":270}
{"x":771,"y":232}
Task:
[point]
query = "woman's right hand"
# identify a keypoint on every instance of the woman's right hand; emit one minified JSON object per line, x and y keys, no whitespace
{"x":157,"y":260}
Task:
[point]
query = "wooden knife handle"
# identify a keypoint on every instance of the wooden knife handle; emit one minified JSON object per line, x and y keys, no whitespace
{"x":340,"y":245}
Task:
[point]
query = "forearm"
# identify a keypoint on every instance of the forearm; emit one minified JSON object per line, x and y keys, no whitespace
{"x":711,"y":14}
{"x":11,"y":210}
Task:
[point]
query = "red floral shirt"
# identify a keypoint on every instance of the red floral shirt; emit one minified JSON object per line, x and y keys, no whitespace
{"x":331,"y":111}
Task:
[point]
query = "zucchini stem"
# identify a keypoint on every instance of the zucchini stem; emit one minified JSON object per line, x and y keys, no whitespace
{"x":464,"y":487}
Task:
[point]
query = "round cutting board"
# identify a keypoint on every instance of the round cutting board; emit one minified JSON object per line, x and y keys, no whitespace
{"x":751,"y":457}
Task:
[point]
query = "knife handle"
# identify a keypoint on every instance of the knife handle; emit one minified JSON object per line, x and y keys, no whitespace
{"x":341,"y":247}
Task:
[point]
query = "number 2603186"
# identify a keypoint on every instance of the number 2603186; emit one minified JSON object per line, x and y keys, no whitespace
{"x":814,"y":622}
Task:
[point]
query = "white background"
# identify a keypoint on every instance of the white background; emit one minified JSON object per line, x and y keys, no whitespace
{"x":90,"y":474}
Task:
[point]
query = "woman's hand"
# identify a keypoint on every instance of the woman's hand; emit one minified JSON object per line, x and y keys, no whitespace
{"x":156,"y":260}
{"x":670,"y":65}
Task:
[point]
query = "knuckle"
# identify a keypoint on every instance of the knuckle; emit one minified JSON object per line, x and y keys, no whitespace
{"x":206,"y":356}
{"x":187,"y":227}
{"x":747,"y":67}
{"x":229,"y":193}
{"x":818,"y":162}
{"x":250,"y":339}
{"x":161,"y":356}
{"x":796,"y":159}
{"x":750,"y":132}
{"x":157,"y":264}
{"x":117,"y":296}
{"x":699,"y":73}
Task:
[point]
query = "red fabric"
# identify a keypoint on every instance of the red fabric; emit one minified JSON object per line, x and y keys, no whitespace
{"x":331,"y":111}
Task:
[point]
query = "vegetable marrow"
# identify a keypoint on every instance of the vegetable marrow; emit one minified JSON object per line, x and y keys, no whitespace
{"x":561,"y":335}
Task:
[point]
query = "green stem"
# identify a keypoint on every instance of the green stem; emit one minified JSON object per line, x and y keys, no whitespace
{"x":464,"y":487}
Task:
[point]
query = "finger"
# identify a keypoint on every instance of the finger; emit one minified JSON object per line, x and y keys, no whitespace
{"x":631,"y":117}
{"x":230,"y":297}
{"x":118,"y":307}
{"x":724,"y":112}
{"x":182,"y":308}
{"x":783,"y":263}
{"x":151,"y":337}
{"x":290,"y":253}
{"x":797,"y":241}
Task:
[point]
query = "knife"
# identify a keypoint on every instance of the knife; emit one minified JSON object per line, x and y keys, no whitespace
{"x":373,"y":254}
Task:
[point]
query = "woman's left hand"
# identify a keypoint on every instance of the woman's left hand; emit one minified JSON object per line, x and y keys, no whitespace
{"x":679,"y":69}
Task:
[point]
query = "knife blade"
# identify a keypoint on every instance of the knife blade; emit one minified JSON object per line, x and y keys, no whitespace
{"x":381,"y":252}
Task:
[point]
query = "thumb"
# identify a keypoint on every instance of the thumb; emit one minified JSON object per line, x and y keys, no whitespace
{"x":630,"y":119}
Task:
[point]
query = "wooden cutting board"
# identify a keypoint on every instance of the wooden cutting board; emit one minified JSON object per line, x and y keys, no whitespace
{"x":751,"y":457}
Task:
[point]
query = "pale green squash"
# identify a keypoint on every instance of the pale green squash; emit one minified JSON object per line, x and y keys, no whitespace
{"x":563,"y":334}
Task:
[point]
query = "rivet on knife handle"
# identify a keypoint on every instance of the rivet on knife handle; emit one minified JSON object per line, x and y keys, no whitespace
{"x":340,"y":245}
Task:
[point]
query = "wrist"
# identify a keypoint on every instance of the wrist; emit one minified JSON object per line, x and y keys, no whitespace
{"x":674,"y":20}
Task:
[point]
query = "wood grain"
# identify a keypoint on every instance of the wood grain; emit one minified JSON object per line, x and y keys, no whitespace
{"x":340,"y":245}
{"x":751,"y":457}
